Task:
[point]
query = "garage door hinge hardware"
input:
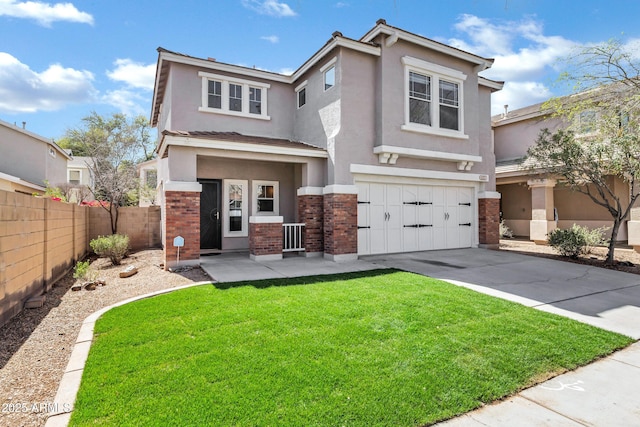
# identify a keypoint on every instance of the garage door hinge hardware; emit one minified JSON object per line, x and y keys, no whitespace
{"x":363,"y":203}
{"x":363,"y":226}
{"x":412,"y":226}
{"x":465,"y":204}
{"x":425,"y":225}
{"x":417,"y":203}
{"x":466,"y":224}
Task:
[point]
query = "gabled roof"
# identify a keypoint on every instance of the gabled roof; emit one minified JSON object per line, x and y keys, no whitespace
{"x":33,"y":135}
{"x":396,"y":33}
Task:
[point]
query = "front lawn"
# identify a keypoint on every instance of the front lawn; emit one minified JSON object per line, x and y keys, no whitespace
{"x":377,"y":348}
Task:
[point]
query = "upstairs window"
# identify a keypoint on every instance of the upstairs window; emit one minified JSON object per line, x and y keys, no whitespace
{"x":330,"y":78}
{"x":75,"y":176}
{"x":301,"y":94}
{"x":433,"y":99}
{"x":449,"y":105}
{"x":419,"y":99}
{"x":255,"y":100}
{"x":234,"y":96}
{"x":214,"y":94}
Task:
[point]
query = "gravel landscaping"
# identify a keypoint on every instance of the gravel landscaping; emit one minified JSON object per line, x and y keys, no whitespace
{"x":37,"y":343}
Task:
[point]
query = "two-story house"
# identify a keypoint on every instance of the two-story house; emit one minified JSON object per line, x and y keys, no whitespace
{"x":28,"y":160}
{"x":377,"y":145}
{"x":533,"y":204}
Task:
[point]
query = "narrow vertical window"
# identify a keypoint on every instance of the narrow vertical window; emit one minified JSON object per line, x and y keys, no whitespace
{"x":419,"y":98}
{"x":265,"y":198}
{"x":330,"y":78}
{"x":449,"y":105}
{"x":302,"y":97}
{"x":255,"y":100}
{"x":235,"y":207}
{"x":214,"y":94}
{"x":235,"y":97}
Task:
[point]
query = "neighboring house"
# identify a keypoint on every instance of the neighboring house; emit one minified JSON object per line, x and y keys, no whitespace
{"x":533,"y":205}
{"x":377,"y":145}
{"x":28,"y":160}
{"x":80,"y":178}
{"x":148,"y":175}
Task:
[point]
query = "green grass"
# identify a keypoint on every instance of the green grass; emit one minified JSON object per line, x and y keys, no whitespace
{"x":379,"y":348}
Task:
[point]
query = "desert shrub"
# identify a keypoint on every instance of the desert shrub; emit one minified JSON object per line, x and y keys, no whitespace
{"x":595,"y":237}
{"x":114,"y":247}
{"x":505,"y":232}
{"x":81,"y":270}
{"x":575,"y":241}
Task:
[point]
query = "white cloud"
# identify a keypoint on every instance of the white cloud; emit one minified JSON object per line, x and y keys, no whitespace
{"x":44,"y":13}
{"x":269,"y":7}
{"x":342,"y":4}
{"x":271,"y":39}
{"x":24,"y":90}
{"x":524,"y":56}
{"x":134,"y":74}
{"x":127,"y":101}
{"x":286,"y":71}
{"x":519,"y":94}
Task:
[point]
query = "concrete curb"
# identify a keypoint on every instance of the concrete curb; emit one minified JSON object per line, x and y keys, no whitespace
{"x":70,"y":383}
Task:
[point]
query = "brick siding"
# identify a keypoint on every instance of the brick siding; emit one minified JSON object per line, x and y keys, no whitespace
{"x":340,"y":224}
{"x":182,"y":210}
{"x":265,"y":238}
{"x":489,"y":221}
{"x":310,"y":212}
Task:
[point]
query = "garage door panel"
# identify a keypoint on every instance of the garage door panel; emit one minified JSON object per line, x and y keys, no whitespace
{"x":405,"y":218}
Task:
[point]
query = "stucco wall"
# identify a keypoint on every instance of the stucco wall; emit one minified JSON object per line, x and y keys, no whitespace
{"x":514,"y":138}
{"x":27,"y":157}
{"x":184,"y":104}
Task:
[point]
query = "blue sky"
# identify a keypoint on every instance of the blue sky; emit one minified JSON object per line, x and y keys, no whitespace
{"x":60,"y":61}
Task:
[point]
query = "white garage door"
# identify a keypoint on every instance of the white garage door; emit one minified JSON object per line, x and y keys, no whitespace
{"x":403,"y":218}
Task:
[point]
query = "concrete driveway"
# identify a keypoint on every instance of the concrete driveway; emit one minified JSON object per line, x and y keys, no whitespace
{"x":605,"y":298}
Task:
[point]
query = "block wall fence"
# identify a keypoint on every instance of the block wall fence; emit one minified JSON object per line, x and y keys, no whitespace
{"x":41,"y":240}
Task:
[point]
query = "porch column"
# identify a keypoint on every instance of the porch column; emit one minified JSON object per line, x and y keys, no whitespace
{"x":310,"y":212}
{"x":182,"y":218}
{"x":265,"y":238}
{"x":489,"y":219}
{"x":633,"y":228}
{"x":542,"y":209}
{"x":340,"y":222}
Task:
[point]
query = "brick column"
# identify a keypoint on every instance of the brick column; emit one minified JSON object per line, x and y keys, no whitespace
{"x":182,"y":218}
{"x":489,"y":219}
{"x":310,"y":212}
{"x":341,"y":222}
{"x":265,"y":238}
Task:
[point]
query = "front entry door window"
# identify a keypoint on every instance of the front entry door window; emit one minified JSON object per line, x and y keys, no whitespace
{"x":210,"y":215}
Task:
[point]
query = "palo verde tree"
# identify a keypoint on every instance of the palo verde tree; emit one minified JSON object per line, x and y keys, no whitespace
{"x":115,"y":145}
{"x":601,"y":141}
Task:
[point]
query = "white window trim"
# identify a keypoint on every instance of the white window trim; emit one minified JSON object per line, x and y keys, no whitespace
{"x":225,"y":81}
{"x":276,"y":198}
{"x":436,"y":72}
{"x":245,"y":208}
{"x":79,"y":174}
{"x":301,"y":86}
{"x":324,"y":69}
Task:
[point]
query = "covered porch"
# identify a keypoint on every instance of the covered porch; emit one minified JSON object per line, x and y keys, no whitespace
{"x":226,"y":192}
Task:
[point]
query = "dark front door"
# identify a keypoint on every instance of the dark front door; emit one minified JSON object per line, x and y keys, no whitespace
{"x":210,"y":214}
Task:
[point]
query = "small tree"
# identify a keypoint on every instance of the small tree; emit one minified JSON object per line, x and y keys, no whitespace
{"x":115,"y":144}
{"x":602,"y":138}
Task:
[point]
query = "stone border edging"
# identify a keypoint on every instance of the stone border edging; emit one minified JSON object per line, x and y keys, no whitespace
{"x":70,"y":382}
